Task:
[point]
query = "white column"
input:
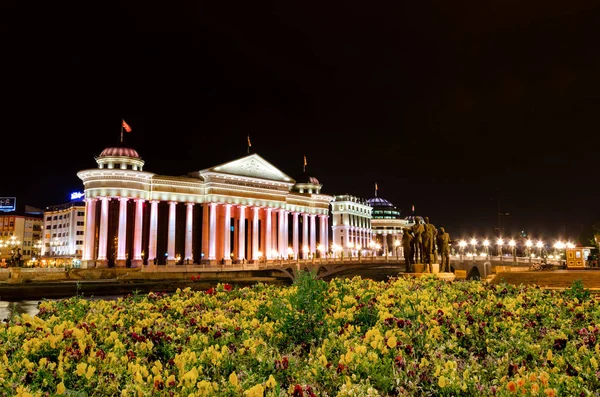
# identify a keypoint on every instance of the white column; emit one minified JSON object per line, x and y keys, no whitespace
{"x":304,"y":234}
{"x":286,"y":232}
{"x":242,"y":233}
{"x":313,"y":234}
{"x":90,"y":223}
{"x":122,"y":238}
{"x":212,"y":242}
{"x":322,"y":231}
{"x":226,"y":232}
{"x":268,"y":232}
{"x":153,"y":230}
{"x":295,"y":235}
{"x":102,"y":240}
{"x":255,"y":233}
{"x":326,"y":243}
{"x":171,"y":236}
{"x":281,"y":248}
{"x":189,"y":227}
{"x":137,"y":233}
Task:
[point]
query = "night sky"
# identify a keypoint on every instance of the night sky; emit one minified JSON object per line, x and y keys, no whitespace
{"x":464,"y":109}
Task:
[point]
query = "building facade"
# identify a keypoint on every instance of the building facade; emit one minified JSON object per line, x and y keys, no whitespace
{"x":243,"y":210}
{"x":64,"y":231}
{"x":387,"y":227}
{"x":351,"y":225}
{"x":22,"y":232}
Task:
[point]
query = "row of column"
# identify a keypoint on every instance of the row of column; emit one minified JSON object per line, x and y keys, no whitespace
{"x":270,"y":237}
{"x":358,"y":236}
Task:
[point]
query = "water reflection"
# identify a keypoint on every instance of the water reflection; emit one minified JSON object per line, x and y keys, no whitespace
{"x":31,"y":306}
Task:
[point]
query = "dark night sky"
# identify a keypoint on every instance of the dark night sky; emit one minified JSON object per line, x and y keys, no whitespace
{"x":448,"y":106}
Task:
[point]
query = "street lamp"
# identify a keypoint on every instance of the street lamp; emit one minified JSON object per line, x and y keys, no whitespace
{"x":528,"y":244}
{"x":305,"y":251}
{"x":350,"y":246}
{"x":499,"y":243}
{"x":290,"y":251}
{"x":461,"y":248}
{"x":336,"y":250}
{"x":539,"y":245}
{"x":474,"y":244}
{"x":512,"y":245}
{"x":358,"y":248}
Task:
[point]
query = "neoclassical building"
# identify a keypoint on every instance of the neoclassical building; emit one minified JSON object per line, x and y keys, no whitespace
{"x":351,"y":224}
{"x":245,"y":210}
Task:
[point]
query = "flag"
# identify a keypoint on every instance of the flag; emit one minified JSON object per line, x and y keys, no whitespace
{"x":126,"y":126}
{"x":413,"y":208}
{"x":304,"y":163}
{"x":375,"y":185}
{"x":249,"y":144}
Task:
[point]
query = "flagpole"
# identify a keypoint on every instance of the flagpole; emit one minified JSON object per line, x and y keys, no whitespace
{"x":121,"y":130}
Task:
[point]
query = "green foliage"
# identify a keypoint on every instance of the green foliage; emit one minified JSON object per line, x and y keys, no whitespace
{"x":578,"y":291}
{"x":301,"y":315}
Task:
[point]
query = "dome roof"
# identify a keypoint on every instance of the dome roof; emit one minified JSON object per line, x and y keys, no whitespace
{"x":415,"y":219}
{"x":379,"y":202}
{"x":119,"y":152}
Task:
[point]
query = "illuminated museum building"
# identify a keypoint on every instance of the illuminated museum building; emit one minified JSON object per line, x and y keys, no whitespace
{"x":387,"y":226}
{"x":64,"y":230}
{"x":245,"y":210}
{"x":351,"y":224}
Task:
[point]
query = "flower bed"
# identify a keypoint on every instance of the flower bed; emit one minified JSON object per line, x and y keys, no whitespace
{"x":347,"y":337}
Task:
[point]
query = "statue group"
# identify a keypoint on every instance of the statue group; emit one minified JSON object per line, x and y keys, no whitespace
{"x":422,"y":243}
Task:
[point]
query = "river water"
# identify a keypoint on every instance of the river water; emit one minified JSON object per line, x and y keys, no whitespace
{"x":31,"y":306}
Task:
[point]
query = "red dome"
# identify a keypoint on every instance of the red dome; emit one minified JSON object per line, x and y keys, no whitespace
{"x":119,"y":152}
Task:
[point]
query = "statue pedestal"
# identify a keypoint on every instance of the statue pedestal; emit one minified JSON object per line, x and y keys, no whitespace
{"x":435,"y":268}
{"x":419,"y":267}
{"x":448,"y":276}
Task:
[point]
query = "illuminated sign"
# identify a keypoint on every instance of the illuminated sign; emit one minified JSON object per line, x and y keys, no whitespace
{"x":8,"y":204}
{"x":77,"y":195}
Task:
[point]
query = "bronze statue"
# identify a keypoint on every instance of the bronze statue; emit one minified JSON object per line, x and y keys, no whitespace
{"x":443,"y":243}
{"x":430,"y":232}
{"x":418,"y":229}
{"x":407,"y":247}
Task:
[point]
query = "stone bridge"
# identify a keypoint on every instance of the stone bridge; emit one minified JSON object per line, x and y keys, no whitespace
{"x":470,"y":267}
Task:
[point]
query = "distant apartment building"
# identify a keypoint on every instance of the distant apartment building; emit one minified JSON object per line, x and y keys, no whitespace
{"x":21,"y":232}
{"x":64,"y":228}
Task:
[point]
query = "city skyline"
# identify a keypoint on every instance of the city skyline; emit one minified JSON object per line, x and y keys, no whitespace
{"x":464,"y":111}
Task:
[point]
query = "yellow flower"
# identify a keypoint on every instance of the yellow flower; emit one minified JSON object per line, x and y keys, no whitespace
{"x":442,"y":381}
{"x":391,"y":342}
{"x":594,"y":363}
{"x":60,"y":388}
{"x":549,"y":355}
{"x":255,"y":391}
{"x":233,"y":379}
{"x":90,"y":372}
{"x":271,"y":383}
{"x":81,"y":369}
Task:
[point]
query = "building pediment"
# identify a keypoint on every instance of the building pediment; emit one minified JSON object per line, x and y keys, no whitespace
{"x":252,"y":166}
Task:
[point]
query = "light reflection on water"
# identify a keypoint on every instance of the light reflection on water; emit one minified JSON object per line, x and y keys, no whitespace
{"x":31,"y":306}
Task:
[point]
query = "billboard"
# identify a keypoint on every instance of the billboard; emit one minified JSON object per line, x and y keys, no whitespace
{"x":8,"y":204}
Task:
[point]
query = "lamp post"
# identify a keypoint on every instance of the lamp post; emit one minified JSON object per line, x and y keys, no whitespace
{"x":461,"y":248}
{"x":528,"y":245}
{"x":372,"y":246}
{"x":474,"y":245}
{"x":486,"y":248}
{"x":336,"y":250}
{"x":377,"y":247}
{"x":358,"y":248}
{"x":540,"y":245}
{"x":305,"y":251}
{"x":512,"y":245}
{"x":499,"y":243}
{"x":396,"y":247}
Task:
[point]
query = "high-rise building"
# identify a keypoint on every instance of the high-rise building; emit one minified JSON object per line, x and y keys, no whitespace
{"x":63,"y":232}
{"x":19,"y":235}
